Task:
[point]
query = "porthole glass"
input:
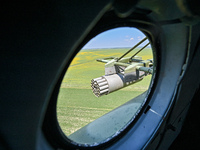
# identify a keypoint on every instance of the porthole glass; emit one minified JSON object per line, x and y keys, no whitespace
{"x":105,"y":86}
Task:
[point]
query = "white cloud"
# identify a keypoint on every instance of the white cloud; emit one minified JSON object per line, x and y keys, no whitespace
{"x":127,"y":40}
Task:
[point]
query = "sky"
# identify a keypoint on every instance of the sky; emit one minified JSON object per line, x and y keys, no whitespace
{"x":116,"y":38}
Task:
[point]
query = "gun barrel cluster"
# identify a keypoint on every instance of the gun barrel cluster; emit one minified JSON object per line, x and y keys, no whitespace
{"x":107,"y":84}
{"x":99,"y":86}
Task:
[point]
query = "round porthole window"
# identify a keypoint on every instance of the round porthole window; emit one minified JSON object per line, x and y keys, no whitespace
{"x":105,"y":86}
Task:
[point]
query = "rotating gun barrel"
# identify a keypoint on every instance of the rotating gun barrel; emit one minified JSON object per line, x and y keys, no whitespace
{"x":121,"y":72}
{"x":118,"y":76}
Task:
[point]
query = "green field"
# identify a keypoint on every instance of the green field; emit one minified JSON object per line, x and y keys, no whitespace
{"x":77,"y":106}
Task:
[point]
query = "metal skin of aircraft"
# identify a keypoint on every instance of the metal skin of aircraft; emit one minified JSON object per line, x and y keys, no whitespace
{"x":39,"y":39}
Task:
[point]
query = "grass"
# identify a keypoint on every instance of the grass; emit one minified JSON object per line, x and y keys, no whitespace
{"x":77,"y":106}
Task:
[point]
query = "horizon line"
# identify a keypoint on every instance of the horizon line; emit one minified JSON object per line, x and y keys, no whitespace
{"x":114,"y":47}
